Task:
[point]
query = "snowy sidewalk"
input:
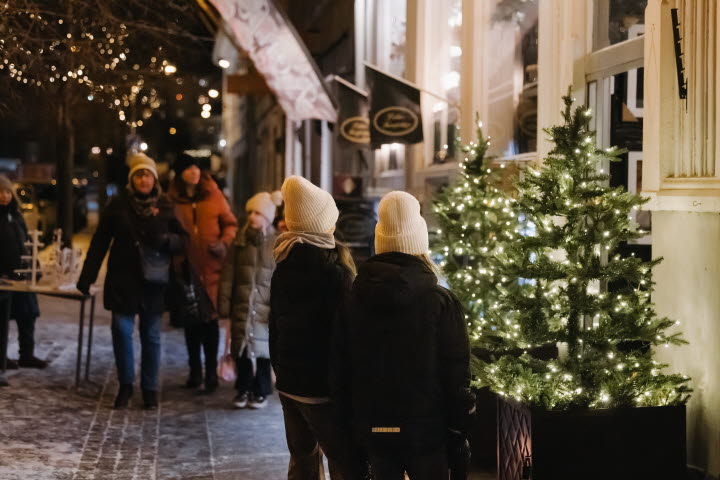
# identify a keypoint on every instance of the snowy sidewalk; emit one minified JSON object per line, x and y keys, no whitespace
{"x":50,"y":431}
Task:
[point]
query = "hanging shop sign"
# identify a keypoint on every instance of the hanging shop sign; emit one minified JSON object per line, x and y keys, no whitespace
{"x":394,"y":109}
{"x":353,"y":123}
{"x":277,"y":51}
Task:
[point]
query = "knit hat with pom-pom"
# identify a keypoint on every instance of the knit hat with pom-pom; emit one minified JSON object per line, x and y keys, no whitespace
{"x":264,"y":203}
{"x":308,"y":208}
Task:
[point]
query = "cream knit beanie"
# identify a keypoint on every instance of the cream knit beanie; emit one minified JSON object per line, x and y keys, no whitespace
{"x":401,"y":228}
{"x":263,"y":203}
{"x":308,"y":208}
{"x":140,"y":161}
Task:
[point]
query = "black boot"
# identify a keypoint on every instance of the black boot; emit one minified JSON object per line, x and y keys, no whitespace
{"x":11,"y":364}
{"x":195,"y":379}
{"x":211,"y":382}
{"x":150,"y":398}
{"x":31,"y":361}
{"x":123,"y":396}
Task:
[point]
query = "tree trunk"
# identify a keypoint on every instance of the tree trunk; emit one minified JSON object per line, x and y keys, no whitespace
{"x":66,"y":161}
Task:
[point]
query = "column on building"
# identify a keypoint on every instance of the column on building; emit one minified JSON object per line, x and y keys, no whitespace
{"x":681,"y":178}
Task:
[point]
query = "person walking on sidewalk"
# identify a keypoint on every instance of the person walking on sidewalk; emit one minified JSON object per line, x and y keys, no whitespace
{"x":401,"y":356}
{"x":245,"y":298}
{"x":24,"y":306}
{"x":205,"y":214}
{"x":141,"y":225}
{"x":312,"y":277}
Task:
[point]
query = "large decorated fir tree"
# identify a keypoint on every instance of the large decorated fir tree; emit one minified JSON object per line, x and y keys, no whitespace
{"x":476,"y":220}
{"x":577,"y":292}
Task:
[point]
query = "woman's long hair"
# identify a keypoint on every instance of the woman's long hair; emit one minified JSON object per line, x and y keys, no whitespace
{"x":345,"y":257}
{"x":428,"y":262}
{"x":179,"y":192}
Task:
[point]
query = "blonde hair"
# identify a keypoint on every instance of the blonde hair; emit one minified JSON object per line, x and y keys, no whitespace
{"x":345,"y":257}
{"x":428,"y":262}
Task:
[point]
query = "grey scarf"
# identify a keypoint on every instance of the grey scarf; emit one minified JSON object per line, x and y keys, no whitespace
{"x":287,"y":240}
{"x":144,"y":205}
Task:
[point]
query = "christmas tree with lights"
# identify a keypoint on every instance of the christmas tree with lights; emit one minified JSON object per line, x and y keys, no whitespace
{"x":579,"y":294}
{"x":477,"y":219}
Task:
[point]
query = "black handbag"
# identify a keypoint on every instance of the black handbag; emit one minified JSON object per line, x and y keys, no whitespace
{"x":189,"y":302}
{"x":155,"y":263}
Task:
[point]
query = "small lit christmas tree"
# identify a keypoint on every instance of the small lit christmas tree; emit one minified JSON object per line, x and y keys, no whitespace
{"x":476,"y":220}
{"x":581,"y":295}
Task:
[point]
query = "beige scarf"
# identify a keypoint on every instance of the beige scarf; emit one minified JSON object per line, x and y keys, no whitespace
{"x":287,"y":240}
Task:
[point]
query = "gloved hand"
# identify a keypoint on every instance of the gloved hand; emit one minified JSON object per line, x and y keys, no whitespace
{"x":83,"y":287}
{"x":218,"y":250}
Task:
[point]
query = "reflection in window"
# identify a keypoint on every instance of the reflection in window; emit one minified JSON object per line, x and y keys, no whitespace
{"x":618,"y":20}
{"x":512,"y":69}
{"x":446,"y":115}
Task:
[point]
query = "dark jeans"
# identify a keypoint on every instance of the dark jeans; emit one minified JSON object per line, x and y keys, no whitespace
{"x":258,"y":383}
{"x":311,"y":427}
{"x":26,"y":336}
{"x":393,"y":465}
{"x":202,"y":336}
{"x":123,"y":326}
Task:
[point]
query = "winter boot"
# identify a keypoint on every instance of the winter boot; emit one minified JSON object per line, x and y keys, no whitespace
{"x":195,"y":379}
{"x":31,"y":361}
{"x":150,"y":398}
{"x":211,"y":382}
{"x":11,"y":364}
{"x":123,"y":396}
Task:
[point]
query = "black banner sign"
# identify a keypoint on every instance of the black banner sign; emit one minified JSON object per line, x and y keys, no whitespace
{"x":395,"y":115}
{"x":353,"y":124}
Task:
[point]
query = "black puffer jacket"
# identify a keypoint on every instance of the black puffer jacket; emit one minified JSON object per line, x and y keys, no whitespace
{"x":401,"y":358}
{"x":306,"y":292}
{"x":125,"y":288}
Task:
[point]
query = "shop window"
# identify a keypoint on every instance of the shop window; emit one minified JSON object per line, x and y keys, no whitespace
{"x":617,"y":21}
{"x":511,"y":66}
{"x":444,"y":80}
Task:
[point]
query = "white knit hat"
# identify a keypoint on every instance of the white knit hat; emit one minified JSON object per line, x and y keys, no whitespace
{"x":308,"y":208}
{"x":400,"y":228}
{"x":263,"y":203}
{"x":140,"y":161}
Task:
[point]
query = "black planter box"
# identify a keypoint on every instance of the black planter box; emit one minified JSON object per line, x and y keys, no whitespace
{"x":646,"y":443}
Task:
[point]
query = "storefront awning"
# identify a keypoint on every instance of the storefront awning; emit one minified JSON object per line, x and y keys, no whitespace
{"x":278,"y":53}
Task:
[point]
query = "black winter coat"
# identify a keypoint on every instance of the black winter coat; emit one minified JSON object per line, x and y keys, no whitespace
{"x":125,"y":288}
{"x":401,"y":357}
{"x":13,"y":235}
{"x":306,"y":292}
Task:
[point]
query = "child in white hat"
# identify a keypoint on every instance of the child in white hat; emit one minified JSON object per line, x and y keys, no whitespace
{"x":403,"y":337}
{"x":245,"y":298}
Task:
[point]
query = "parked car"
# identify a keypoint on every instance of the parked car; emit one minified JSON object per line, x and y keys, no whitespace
{"x":39,"y":202}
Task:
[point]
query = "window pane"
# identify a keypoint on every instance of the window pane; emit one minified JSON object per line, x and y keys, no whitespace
{"x":511,"y":65}
{"x":618,"y":20}
{"x":445,"y":61}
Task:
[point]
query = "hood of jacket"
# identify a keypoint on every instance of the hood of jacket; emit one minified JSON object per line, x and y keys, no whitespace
{"x":392,"y":280}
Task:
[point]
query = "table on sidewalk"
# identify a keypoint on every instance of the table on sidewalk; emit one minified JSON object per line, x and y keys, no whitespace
{"x":7,"y":289}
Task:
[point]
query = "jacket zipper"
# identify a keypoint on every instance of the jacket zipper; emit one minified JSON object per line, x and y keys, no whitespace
{"x":195,"y":225}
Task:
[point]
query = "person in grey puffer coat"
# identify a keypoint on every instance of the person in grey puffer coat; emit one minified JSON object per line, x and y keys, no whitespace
{"x":245,"y":298}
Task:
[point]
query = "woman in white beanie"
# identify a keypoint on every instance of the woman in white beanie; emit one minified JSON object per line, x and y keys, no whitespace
{"x":245,"y":299}
{"x":313,"y":275}
{"x":137,"y":225}
{"x":401,"y":357}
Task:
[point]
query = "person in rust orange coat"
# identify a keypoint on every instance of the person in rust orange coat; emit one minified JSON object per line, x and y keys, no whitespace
{"x":205,"y":214}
